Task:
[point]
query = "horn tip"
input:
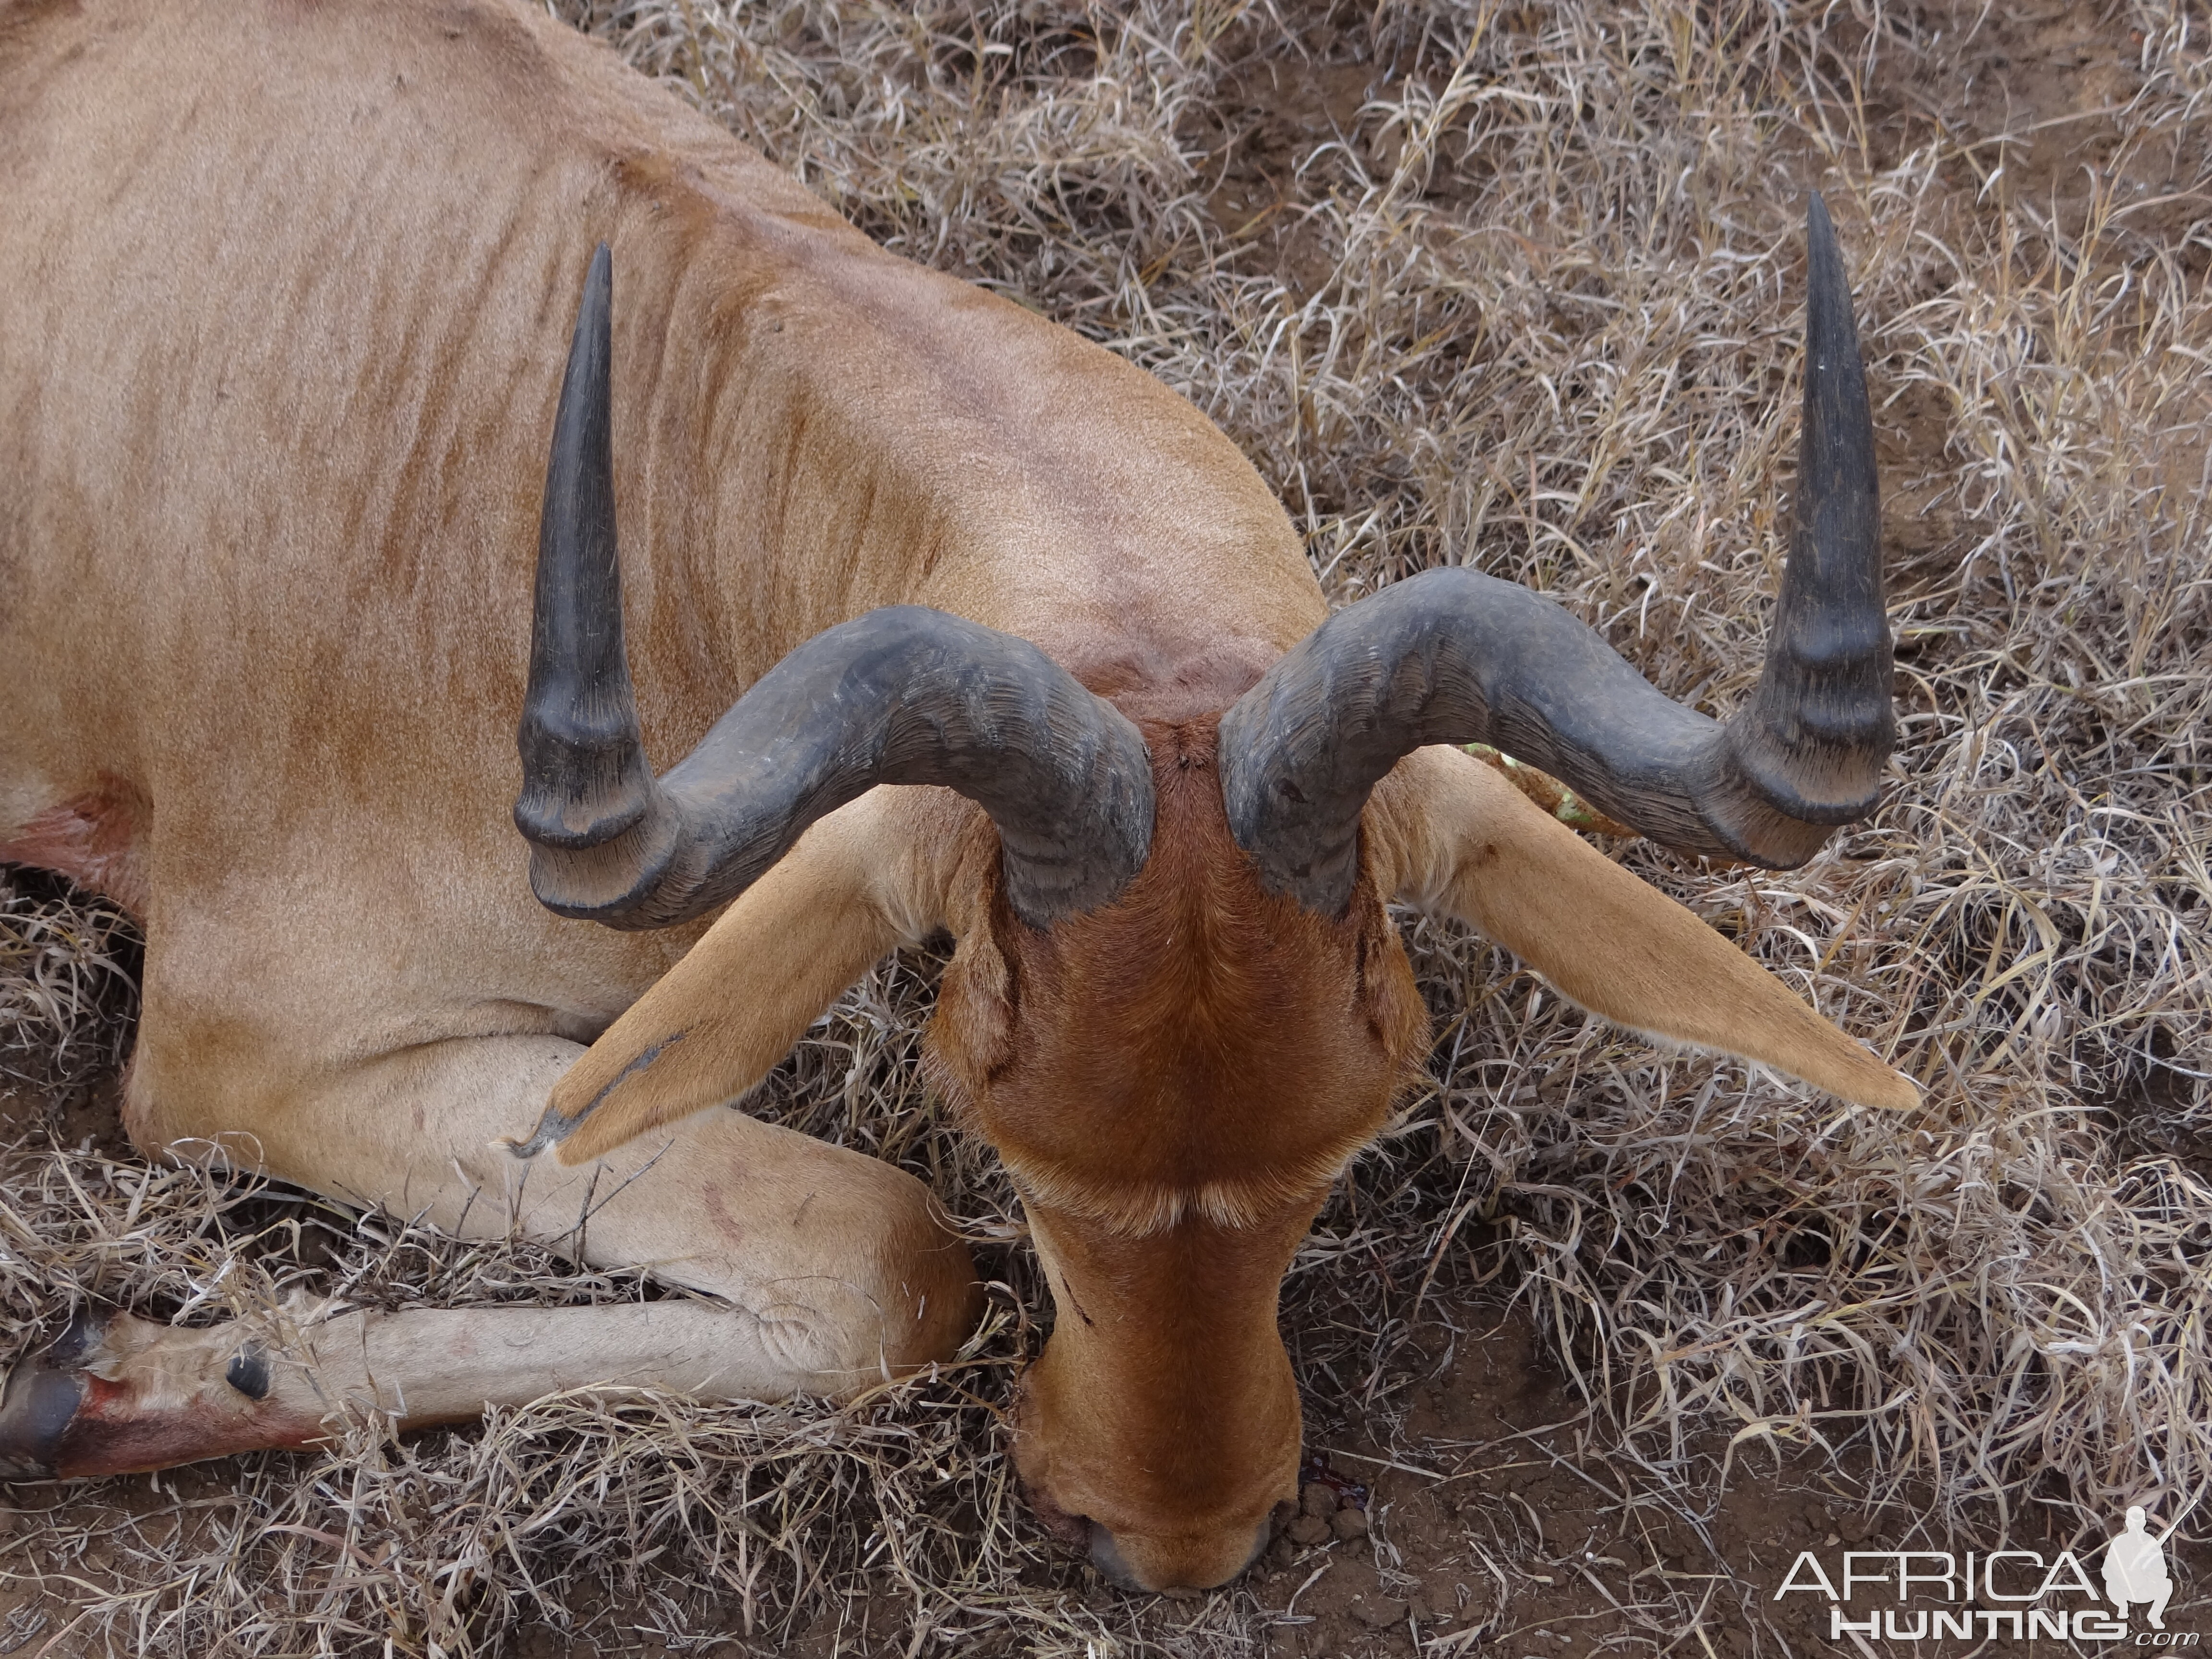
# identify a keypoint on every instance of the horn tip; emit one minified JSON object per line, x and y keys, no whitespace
{"x":598,"y":302}
{"x":1827,"y":284}
{"x":1818,"y":224}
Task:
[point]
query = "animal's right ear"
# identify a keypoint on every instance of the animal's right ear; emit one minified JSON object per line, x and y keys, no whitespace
{"x":881,"y":871}
{"x":971,"y":1034}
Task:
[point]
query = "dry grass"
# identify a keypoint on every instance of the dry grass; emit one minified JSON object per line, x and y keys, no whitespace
{"x":68,"y":983}
{"x":1528,"y":303}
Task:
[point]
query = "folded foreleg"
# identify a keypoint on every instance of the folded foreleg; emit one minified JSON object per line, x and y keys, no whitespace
{"x":116,"y":1394}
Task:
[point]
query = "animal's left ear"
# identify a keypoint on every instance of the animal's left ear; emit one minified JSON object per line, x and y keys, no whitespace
{"x":868,"y":878}
{"x":1448,"y":834}
{"x":1396,"y":1013}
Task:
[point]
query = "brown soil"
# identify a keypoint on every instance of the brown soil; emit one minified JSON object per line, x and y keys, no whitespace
{"x":1497,"y":1517}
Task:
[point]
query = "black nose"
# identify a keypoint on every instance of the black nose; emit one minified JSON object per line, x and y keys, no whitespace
{"x":1114,"y":1566}
{"x":1106,"y":1556}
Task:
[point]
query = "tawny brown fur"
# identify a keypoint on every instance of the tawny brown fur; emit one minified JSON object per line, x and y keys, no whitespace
{"x":1200,"y":1048}
{"x":1174,"y":1082}
{"x":287,"y":291}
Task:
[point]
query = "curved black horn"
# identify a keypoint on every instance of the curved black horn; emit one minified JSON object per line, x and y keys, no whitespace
{"x":1450,"y":656}
{"x":903,"y":695}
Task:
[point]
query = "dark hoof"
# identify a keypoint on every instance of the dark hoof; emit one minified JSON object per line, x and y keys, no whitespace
{"x":41,"y":1399}
{"x":248,"y":1372}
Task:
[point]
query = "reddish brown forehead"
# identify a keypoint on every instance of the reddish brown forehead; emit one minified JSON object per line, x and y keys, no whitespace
{"x":1199,"y":1031}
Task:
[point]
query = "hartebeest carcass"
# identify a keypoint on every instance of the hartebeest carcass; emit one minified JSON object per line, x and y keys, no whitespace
{"x":1026,"y":652}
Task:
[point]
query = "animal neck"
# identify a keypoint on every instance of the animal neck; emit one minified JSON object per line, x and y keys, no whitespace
{"x":866,"y":433}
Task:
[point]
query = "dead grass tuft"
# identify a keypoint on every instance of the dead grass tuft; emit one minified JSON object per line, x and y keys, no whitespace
{"x":68,"y":983}
{"x":1516,"y":287}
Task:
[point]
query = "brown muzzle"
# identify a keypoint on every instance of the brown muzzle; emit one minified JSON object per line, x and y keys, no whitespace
{"x":1160,"y":1432}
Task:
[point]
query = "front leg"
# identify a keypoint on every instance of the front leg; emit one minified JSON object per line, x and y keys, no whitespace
{"x":832,"y":1270}
{"x":117,"y":1394}
{"x":829,"y":1271}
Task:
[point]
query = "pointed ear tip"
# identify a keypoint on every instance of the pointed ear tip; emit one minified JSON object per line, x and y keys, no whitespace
{"x":1897,"y":1093}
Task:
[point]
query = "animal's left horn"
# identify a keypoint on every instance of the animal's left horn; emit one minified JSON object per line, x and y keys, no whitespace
{"x":1450,"y":656}
{"x":903,"y":695}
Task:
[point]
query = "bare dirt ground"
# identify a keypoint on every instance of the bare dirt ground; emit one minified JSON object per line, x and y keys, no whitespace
{"x":1595,"y":1343}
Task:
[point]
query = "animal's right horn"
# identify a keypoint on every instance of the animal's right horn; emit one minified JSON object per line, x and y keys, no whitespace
{"x":903,"y":695}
